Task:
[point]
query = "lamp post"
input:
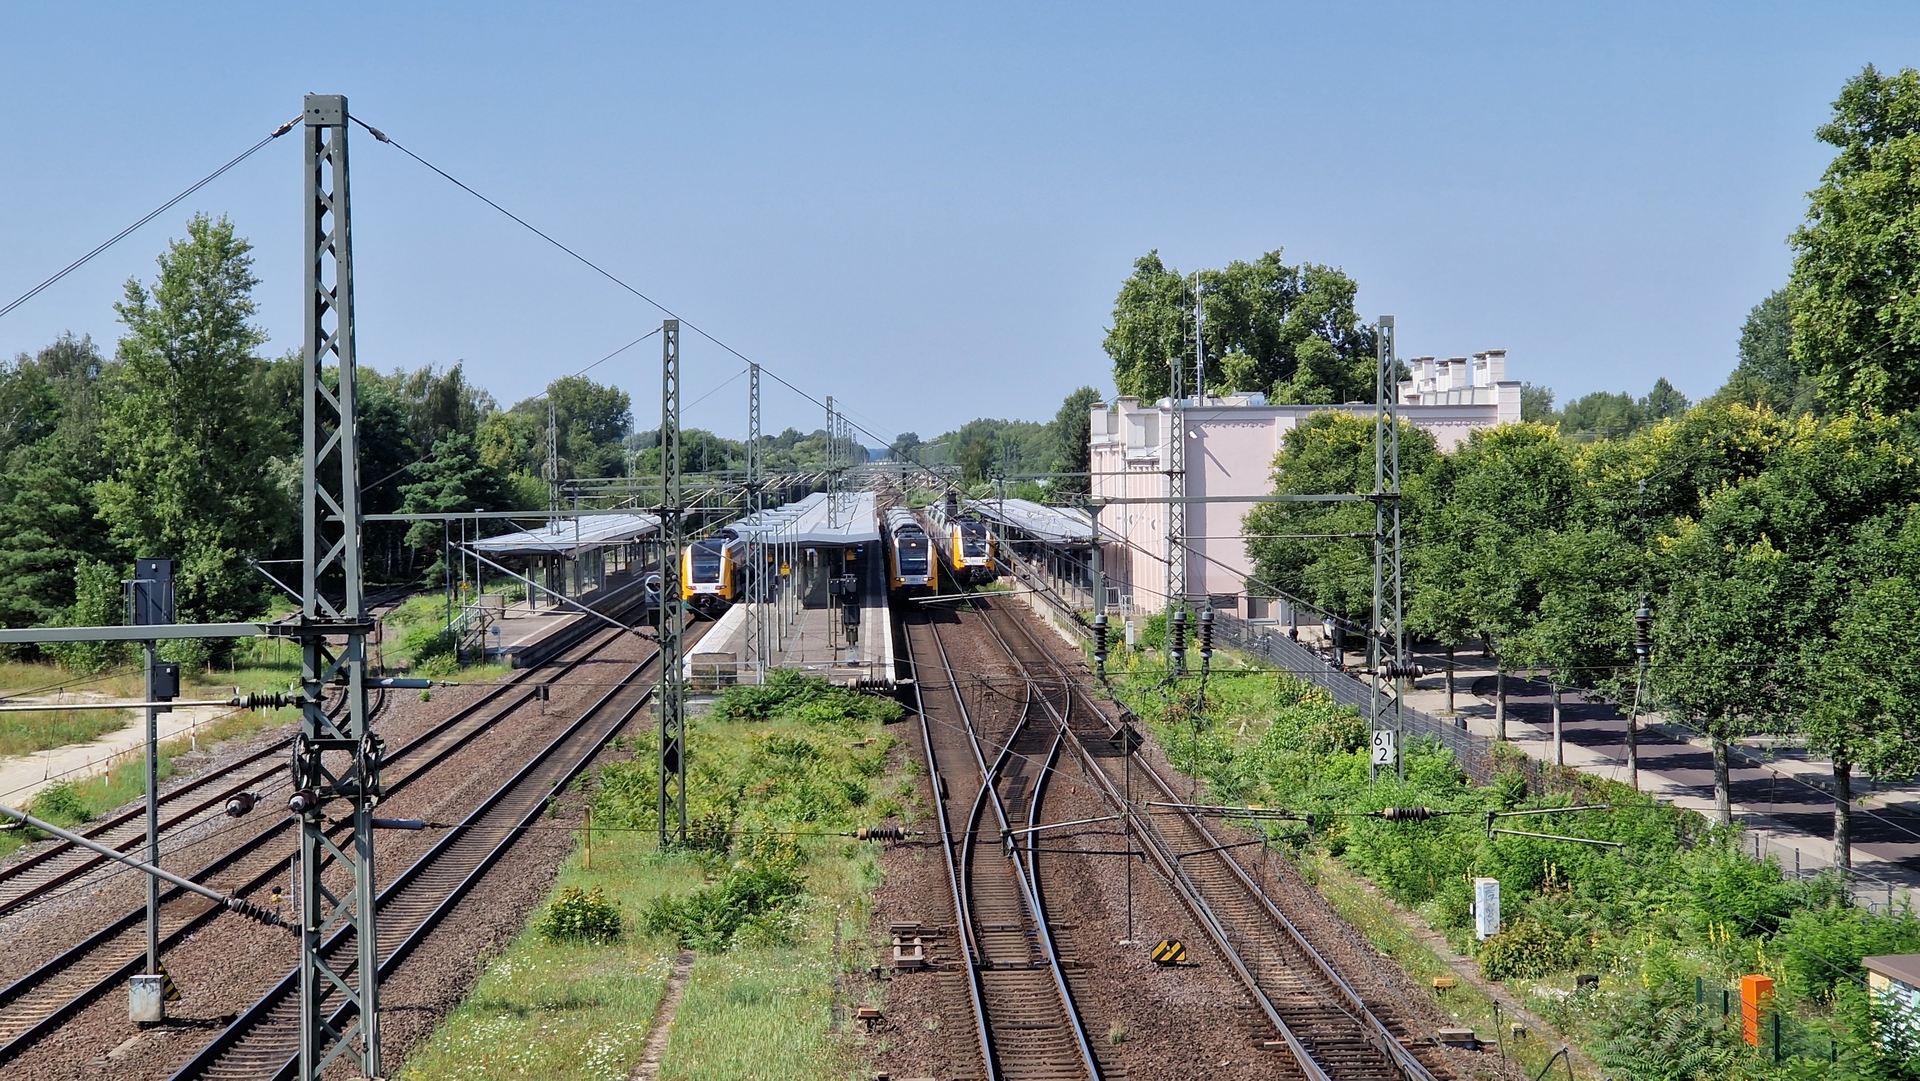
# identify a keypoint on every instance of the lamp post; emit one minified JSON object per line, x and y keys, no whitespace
{"x":1643,"y":654}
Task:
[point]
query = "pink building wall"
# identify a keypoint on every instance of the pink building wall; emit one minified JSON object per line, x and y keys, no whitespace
{"x":1231,"y":445}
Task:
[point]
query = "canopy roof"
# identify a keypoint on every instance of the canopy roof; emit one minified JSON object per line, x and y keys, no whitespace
{"x":1051,"y":525}
{"x":855,"y":520}
{"x":570,"y":536}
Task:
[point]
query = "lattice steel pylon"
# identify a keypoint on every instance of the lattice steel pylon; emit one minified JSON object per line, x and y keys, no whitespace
{"x":670,"y":703}
{"x":833,"y":465}
{"x":337,"y":757}
{"x":1176,"y":486}
{"x":754,"y":637}
{"x":1388,"y":629}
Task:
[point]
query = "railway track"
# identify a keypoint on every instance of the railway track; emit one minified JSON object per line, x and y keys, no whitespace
{"x":39,"y":1002}
{"x":995,"y":764}
{"x":204,"y":798}
{"x":264,"y":1041}
{"x":1329,"y":1031}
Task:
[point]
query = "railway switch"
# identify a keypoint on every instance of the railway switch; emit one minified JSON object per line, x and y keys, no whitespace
{"x":240,"y":804}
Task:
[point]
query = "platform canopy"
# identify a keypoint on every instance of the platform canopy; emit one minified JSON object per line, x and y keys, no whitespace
{"x":855,"y":520}
{"x":570,"y":536}
{"x":1049,"y":525}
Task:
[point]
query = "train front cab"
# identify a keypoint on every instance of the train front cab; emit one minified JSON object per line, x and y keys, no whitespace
{"x":710,"y":574}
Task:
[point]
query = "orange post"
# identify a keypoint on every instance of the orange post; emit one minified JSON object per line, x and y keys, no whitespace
{"x":590,"y":844}
{"x":1756,"y":993}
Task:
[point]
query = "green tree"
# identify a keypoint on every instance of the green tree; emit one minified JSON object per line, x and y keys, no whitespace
{"x":1070,"y":433}
{"x":452,"y":478}
{"x":189,"y":446}
{"x":1663,"y":402}
{"x":50,"y":454}
{"x":1767,"y":373}
{"x":1603,"y":414}
{"x":1265,"y":315}
{"x":1481,"y":511}
{"x":1536,"y":405}
{"x":1322,"y":553}
{"x":1855,"y":290}
{"x":905,"y":447}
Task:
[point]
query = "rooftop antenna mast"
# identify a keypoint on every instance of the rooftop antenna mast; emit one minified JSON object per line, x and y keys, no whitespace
{"x":334,"y":759}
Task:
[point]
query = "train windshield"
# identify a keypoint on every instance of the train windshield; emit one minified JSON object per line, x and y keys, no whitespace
{"x":706,"y":560}
{"x":913,"y":555}
{"x":973,"y":541}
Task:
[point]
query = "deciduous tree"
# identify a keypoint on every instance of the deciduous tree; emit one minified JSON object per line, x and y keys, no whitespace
{"x":189,"y":446}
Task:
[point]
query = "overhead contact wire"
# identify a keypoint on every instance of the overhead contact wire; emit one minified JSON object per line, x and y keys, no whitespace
{"x":598,"y":269}
{"x":154,"y":213}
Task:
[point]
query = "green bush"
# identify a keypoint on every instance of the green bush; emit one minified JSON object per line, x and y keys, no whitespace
{"x":577,"y":915}
{"x":752,"y":897}
{"x":1820,"y":947}
{"x":1528,"y":949}
{"x":61,"y":804}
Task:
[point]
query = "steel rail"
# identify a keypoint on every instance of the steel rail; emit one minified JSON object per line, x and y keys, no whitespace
{"x":81,"y":953}
{"x":1400,"y":1058}
{"x":962,"y":917}
{"x":988,"y":796}
{"x":282,"y":1053}
{"x":37,"y":864}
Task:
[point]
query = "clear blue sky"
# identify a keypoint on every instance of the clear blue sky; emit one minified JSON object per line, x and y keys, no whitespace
{"x":926,"y":212}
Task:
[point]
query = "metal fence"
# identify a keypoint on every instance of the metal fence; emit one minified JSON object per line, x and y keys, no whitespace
{"x":1474,"y":753}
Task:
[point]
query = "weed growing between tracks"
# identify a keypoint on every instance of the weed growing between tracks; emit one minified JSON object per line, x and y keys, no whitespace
{"x":1678,"y":913}
{"x":766,"y":892}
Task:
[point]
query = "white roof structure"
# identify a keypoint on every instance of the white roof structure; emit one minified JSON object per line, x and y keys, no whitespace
{"x":855,"y":520}
{"x":1053,"y":525}
{"x":568,"y":537}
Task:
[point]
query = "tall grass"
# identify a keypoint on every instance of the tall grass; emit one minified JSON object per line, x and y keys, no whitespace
{"x":777,"y":772}
{"x":25,"y":733}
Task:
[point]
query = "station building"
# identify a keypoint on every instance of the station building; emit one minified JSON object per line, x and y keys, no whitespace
{"x":1231,"y":444}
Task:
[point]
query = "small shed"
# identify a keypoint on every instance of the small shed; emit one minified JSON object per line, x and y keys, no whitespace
{"x":1896,"y":978}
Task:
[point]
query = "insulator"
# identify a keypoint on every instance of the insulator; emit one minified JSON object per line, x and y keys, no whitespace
{"x":247,"y":908}
{"x":1643,"y":630}
{"x":240,"y":805}
{"x":880,"y":833}
{"x":1206,"y":633}
{"x":1403,"y":671}
{"x":266,"y":701}
{"x":304,"y":802}
{"x":1100,"y":638}
{"x":1409,"y":814}
{"x":1177,"y":632}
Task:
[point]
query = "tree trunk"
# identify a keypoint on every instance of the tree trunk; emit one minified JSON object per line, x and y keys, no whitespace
{"x":1500,"y":702}
{"x":1843,"y":817}
{"x":1450,"y":710}
{"x":1722,"y":791}
{"x":1559,"y":734}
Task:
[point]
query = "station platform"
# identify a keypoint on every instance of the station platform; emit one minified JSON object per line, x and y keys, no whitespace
{"x":810,"y":548}
{"x":809,"y":641}
{"x":529,"y":636}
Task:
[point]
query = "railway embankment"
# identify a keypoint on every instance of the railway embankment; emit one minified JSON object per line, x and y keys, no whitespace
{"x":764,"y":912}
{"x":1626,"y":949}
